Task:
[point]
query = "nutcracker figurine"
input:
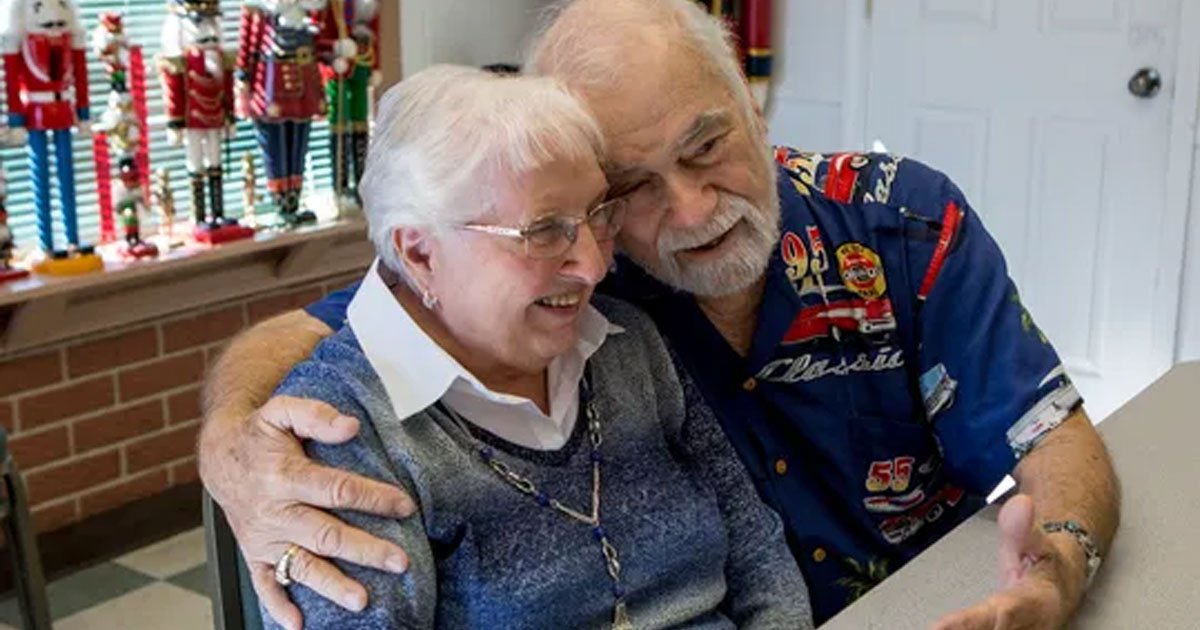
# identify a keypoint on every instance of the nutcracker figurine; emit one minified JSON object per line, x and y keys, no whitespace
{"x":279,"y":88}
{"x":46,"y":85}
{"x":120,"y":130}
{"x":7,"y":271}
{"x":131,"y":201}
{"x":348,"y":85}
{"x":249,"y":189}
{"x":164,"y":200}
{"x":750,"y":22}
{"x":197,"y":78}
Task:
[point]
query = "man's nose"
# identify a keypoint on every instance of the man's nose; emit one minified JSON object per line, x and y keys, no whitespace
{"x":691,"y":201}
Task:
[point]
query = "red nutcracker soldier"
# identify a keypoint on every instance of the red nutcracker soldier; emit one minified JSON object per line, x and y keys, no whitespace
{"x":197,"y":78}
{"x":750,"y":22}
{"x":46,"y":80}
{"x":350,"y":72}
{"x":279,"y":88}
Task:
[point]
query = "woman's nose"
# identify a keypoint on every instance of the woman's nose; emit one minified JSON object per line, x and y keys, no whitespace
{"x":588,"y":259}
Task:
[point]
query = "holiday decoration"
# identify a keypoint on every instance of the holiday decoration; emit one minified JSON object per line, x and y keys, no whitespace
{"x":7,"y":271}
{"x":279,"y":88}
{"x":750,"y":22}
{"x":349,"y":80}
{"x":164,"y":200}
{"x":197,"y":77}
{"x":122,"y":131}
{"x":46,"y":87}
{"x":249,"y":189}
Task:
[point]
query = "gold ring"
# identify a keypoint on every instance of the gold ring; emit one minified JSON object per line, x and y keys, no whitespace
{"x":284,"y":566}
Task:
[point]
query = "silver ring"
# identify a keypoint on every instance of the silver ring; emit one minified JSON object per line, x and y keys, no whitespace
{"x":284,"y":566}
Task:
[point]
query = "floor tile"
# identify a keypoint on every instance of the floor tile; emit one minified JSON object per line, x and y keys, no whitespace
{"x":159,"y":605}
{"x":169,"y":557}
{"x":82,"y":590}
{"x":9,"y":614}
{"x":194,"y":580}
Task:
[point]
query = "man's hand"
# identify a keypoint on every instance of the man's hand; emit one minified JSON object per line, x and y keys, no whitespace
{"x":1042,"y":577}
{"x":256,"y":469}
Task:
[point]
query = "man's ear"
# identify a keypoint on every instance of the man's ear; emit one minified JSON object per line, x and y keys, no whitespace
{"x":415,"y":246}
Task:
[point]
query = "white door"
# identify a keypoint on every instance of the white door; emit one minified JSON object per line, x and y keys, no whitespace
{"x":1026,"y":104}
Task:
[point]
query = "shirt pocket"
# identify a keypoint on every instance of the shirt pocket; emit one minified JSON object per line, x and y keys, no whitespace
{"x":902,"y":485}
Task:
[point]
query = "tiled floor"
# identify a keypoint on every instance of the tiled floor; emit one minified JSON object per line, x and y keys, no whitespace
{"x":161,"y":586}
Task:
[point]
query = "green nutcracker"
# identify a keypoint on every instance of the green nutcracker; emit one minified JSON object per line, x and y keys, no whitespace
{"x":350,"y":76}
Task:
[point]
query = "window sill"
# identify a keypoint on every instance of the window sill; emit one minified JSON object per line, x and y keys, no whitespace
{"x":40,"y":310}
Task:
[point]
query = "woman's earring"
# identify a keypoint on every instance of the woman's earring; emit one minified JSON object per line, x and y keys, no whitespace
{"x":429,"y":299}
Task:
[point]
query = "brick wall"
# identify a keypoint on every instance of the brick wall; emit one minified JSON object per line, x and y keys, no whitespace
{"x":99,"y":422}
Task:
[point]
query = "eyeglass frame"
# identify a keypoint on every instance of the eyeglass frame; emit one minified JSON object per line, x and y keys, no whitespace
{"x":569,"y":227}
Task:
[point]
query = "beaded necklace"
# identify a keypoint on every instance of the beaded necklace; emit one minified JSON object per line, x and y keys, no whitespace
{"x":523,"y":485}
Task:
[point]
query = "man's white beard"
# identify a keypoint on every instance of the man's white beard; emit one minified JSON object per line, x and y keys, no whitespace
{"x":749,"y":248}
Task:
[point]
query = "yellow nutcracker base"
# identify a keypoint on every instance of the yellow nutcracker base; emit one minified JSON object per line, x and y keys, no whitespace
{"x":74,"y":265}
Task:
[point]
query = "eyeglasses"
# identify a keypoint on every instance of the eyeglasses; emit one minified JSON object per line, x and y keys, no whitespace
{"x":552,"y":236}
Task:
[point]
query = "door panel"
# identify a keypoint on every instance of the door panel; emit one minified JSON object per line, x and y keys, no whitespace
{"x":1025,"y":104}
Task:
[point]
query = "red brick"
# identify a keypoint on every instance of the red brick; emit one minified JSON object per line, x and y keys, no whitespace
{"x":118,"y":425}
{"x":70,"y":477}
{"x":202,"y":329}
{"x":66,"y":401}
{"x":31,"y":450}
{"x":259,"y":310}
{"x":6,"y":417}
{"x":48,"y":518}
{"x":184,"y":406}
{"x":129,"y":491}
{"x":111,"y":352}
{"x":162,"y":448}
{"x":29,"y":372}
{"x":164,"y":374}
{"x":185,"y":472}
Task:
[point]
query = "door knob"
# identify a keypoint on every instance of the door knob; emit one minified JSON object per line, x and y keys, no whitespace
{"x":1145,"y":83}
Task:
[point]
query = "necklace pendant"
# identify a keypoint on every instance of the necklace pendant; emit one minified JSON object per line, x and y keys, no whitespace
{"x":621,"y":617}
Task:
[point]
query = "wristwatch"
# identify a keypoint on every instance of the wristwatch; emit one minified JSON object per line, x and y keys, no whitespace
{"x":1081,"y":535}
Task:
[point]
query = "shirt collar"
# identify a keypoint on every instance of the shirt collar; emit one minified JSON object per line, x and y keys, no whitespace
{"x":416,"y":372}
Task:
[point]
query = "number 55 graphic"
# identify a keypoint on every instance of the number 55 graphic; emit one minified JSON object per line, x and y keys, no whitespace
{"x":894,"y":474}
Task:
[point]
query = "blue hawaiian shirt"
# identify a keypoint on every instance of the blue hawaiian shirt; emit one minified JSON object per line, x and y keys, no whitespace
{"x":894,"y":377}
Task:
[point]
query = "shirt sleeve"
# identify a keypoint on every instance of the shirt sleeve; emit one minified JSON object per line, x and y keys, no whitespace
{"x":765,"y":587}
{"x":408,"y":600}
{"x":331,"y":309}
{"x":991,"y":382}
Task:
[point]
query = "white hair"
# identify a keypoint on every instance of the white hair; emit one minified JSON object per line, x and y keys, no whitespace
{"x":444,"y":135}
{"x":586,"y":42}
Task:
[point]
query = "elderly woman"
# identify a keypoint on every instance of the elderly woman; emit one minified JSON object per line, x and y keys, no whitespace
{"x":565,"y":477}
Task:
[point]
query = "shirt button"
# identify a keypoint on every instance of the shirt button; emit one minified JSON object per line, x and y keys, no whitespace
{"x":750,"y":384}
{"x":819,"y":555}
{"x":781,"y":466}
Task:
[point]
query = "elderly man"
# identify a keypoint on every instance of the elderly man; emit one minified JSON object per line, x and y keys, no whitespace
{"x":847,"y":317}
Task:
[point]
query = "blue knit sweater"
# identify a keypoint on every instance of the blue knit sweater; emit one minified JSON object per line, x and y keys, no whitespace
{"x":697,"y":547}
